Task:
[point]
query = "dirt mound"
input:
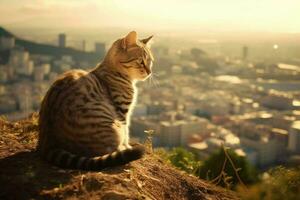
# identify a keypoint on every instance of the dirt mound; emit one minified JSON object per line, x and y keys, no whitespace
{"x":24,"y":176}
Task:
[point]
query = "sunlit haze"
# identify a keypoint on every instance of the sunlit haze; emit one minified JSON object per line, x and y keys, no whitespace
{"x":230,"y":15}
{"x":209,"y":90}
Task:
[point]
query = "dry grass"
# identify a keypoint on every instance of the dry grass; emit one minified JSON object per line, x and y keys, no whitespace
{"x":24,"y":176}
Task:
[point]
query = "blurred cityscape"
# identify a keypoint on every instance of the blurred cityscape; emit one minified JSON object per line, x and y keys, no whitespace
{"x":202,"y":95}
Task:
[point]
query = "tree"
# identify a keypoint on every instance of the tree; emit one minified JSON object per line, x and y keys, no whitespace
{"x":227,"y":169}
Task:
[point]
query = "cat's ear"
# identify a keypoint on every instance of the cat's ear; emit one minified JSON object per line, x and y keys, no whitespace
{"x":146,"y":41}
{"x":129,"y":40}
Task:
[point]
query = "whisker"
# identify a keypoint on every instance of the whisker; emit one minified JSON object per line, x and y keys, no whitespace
{"x":149,"y":81}
{"x":155,"y":82}
{"x":155,"y":74}
{"x":152,"y":81}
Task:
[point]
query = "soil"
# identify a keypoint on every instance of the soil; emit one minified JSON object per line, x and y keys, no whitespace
{"x":24,"y":176}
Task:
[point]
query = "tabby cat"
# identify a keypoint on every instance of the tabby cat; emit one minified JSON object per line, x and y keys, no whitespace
{"x":85,"y":116}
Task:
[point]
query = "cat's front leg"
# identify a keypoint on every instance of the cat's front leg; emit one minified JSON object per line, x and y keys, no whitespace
{"x":126,"y":137}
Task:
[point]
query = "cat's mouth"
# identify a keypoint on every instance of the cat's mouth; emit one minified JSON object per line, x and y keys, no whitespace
{"x":146,"y":75}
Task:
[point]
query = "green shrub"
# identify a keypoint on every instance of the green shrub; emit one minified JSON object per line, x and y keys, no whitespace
{"x":280,"y":183}
{"x":183,"y":160}
{"x":227,"y":169}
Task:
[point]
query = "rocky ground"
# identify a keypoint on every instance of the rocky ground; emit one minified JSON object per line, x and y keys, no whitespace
{"x":24,"y":176}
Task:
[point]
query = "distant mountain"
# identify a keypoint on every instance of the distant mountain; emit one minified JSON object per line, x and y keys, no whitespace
{"x":51,"y":50}
{"x":5,"y":33}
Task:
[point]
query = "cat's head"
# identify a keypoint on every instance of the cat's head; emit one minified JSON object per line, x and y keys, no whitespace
{"x":131,"y":56}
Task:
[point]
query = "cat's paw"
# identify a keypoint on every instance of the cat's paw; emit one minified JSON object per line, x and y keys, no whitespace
{"x":122,"y":148}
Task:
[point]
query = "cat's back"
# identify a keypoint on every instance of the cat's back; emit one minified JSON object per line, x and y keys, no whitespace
{"x":63,"y":92}
{"x":68,"y":79}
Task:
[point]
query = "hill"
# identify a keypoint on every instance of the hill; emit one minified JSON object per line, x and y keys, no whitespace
{"x":5,"y":33}
{"x":51,"y":50}
{"x":24,"y":176}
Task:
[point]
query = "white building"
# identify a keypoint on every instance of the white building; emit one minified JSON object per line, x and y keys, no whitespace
{"x":177,"y":128}
{"x":265,"y":147}
{"x":20,"y":61}
{"x":39,"y":74}
{"x":46,"y":67}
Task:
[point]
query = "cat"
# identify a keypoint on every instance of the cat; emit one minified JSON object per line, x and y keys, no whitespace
{"x":85,"y":116}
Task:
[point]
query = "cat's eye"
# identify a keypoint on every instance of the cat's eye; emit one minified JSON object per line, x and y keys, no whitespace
{"x":128,"y":61}
{"x":140,"y":61}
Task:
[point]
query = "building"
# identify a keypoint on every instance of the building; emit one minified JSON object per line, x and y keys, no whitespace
{"x":245,"y":52}
{"x":3,"y":74}
{"x":212,"y":140}
{"x":62,"y":40}
{"x":52,"y":76}
{"x":83,"y":47}
{"x":177,"y":129}
{"x":251,"y":155}
{"x":294,"y":138}
{"x":46,"y":67}
{"x":7,"y":43}
{"x":171,"y":129}
{"x":194,"y":125}
{"x":155,"y":108}
{"x":170,"y":134}
{"x":278,"y":101}
{"x":24,"y":98}
{"x":100,"y":48}
{"x":141,"y":124}
{"x":20,"y":61}
{"x":265,"y":147}
{"x":176,"y":69}
{"x":39,"y":74}
{"x":139,"y":110}
{"x":7,"y":104}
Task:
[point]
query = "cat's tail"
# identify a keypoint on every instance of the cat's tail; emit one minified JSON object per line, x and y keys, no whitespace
{"x":67,"y":160}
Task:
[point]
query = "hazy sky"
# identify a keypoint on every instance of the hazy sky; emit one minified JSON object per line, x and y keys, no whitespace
{"x":218,"y":15}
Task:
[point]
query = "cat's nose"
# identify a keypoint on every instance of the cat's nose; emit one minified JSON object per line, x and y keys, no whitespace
{"x":147,"y":70}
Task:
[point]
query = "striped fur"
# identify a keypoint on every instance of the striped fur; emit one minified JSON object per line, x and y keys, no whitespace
{"x":85,"y":116}
{"x":67,"y":160}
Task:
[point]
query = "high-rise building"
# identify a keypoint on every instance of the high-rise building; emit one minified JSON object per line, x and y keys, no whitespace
{"x":245,"y":52}
{"x":62,"y":40}
{"x":83,"y":45}
{"x":294,"y":137}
